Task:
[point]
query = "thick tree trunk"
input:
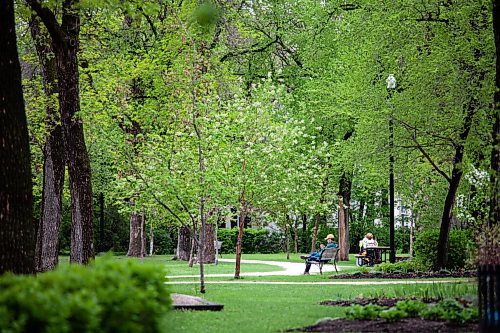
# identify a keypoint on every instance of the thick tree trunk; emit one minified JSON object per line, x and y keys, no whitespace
{"x":344,"y":201}
{"x":494,"y":213}
{"x":17,"y":229}
{"x":136,"y":241}
{"x":209,"y":248}
{"x":183,"y":243}
{"x":82,"y":246}
{"x":343,"y":231}
{"x":65,"y":39}
{"x":47,"y":247}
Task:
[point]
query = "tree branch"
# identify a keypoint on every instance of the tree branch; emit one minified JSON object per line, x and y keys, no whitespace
{"x":49,"y":20}
{"x":260,"y":49}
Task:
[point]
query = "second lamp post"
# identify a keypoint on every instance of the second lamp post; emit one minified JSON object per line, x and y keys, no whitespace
{"x":391,"y":85}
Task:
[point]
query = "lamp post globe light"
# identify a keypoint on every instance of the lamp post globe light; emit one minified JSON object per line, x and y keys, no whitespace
{"x":391,"y":85}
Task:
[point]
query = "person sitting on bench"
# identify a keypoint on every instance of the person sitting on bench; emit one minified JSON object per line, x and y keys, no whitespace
{"x":315,"y":256}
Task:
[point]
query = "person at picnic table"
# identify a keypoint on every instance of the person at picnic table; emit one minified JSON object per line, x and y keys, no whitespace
{"x":369,"y":241}
{"x":316,"y":255}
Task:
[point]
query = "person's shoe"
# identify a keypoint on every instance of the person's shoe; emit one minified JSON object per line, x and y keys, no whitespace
{"x":306,"y":273}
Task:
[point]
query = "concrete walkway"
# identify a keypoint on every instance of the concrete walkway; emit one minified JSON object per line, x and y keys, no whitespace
{"x":288,"y":268}
{"x":351,"y":283}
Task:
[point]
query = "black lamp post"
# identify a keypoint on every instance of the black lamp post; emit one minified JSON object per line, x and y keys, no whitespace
{"x":391,"y":85}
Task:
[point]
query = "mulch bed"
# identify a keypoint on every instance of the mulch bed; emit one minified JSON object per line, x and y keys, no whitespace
{"x":409,"y":275}
{"x":409,"y":325}
{"x":382,"y":301}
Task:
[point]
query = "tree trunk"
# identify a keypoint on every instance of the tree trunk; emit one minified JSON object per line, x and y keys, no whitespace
{"x":17,"y":228}
{"x":183,"y":243}
{"x":47,"y":247}
{"x":65,"y":40}
{"x":305,"y":238}
{"x":454,"y":182}
{"x":494,"y":213}
{"x":287,"y":239}
{"x":209,"y":248}
{"x":295,"y":236}
{"x":135,"y":239}
{"x":444,"y":231}
{"x":151,"y":240}
{"x":344,"y":201}
{"x":315,"y":232}
{"x":343,"y":232}
{"x":239,"y":240}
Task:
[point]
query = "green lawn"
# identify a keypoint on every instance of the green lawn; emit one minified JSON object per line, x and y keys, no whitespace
{"x":274,"y":308}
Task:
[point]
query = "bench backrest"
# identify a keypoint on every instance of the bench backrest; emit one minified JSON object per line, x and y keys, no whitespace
{"x":329,"y":254}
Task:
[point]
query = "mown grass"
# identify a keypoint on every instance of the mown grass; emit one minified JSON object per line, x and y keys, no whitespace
{"x":275,"y":308}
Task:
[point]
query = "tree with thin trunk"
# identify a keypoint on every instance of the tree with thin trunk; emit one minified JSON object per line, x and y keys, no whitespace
{"x":17,"y":228}
{"x":65,"y":40}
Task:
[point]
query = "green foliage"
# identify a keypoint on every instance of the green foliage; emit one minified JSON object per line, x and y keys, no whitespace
{"x":165,"y":241}
{"x":401,"y":266}
{"x":411,"y":307}
{"x":206,"y":14}
{"x":393,"y":314}
{"x":450,"y":310}
{"x":254,"y":241}
{"x":368,"y":312}
{"x":459,"y":250}
{"x":104,"y":297}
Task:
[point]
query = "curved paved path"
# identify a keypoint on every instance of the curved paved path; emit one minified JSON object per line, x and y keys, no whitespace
{"x":288,"y":268}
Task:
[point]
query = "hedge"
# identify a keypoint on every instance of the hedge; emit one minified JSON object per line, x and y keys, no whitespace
{"x":104,"y":297}
{"x":254,"y":241}
{"x":460,"y":244}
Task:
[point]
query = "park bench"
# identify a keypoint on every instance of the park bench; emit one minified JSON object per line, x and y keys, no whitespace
{"x":328,"y":255}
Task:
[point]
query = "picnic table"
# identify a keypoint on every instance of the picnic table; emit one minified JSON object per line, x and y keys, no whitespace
{"x":373,"y":255}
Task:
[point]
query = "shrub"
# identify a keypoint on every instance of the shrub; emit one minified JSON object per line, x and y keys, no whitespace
{"x":367,"y":312}
{"x":393,"y":314}
{"x":401,"y":266}
{"x":450,"y":310}
{"x":254,"y":241}
{"x":103,"y":297}
{"x":411,"y":307}
{"x":460,"y":243}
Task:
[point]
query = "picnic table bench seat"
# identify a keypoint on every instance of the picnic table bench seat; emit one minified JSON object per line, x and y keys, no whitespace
{"x":328,"y":255}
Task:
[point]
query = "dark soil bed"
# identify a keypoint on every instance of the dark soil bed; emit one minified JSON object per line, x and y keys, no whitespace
{"x":382,"y":301}
{"x":410,"y":275}
{"x":380,"y":325}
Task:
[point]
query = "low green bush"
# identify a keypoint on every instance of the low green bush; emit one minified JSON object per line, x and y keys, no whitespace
{"x":460,"y":244}
{"x":393,"y":314}
{"x":449,"y":310}
{"x":411,"y":307}
{"x":254,"y":241}
{"x":401,"y":266}
{"x":367,"y":312}
{"x":105,"y":297}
